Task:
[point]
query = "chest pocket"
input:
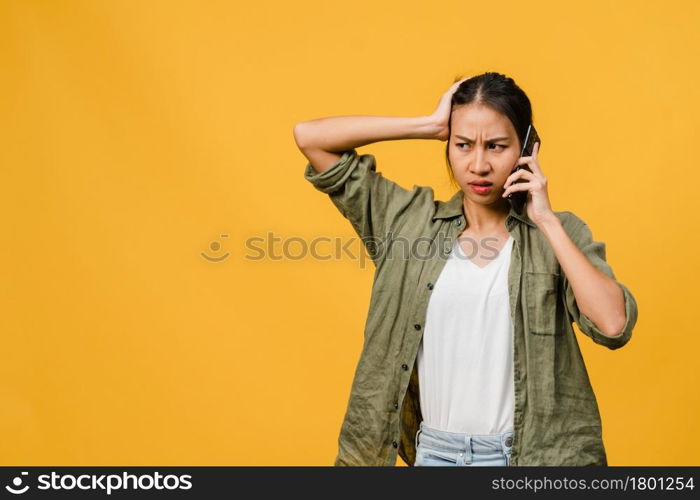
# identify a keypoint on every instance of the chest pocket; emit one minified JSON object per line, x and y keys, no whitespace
{"x":542,"y":290}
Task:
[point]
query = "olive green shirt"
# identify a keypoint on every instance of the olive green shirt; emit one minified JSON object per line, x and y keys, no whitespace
{"x":408,"y":234}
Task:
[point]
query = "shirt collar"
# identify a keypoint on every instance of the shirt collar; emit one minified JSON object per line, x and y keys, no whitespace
{"x":453,"y":208}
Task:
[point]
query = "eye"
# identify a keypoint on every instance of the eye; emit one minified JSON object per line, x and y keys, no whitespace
{"x":460,"y":144}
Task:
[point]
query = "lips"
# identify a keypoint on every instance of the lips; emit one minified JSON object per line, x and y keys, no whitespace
{"x":480,"y":189}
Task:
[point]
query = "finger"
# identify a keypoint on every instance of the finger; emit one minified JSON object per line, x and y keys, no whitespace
{"x":524,"y":160}
{"x":535,"y":154}
{"x":512,"y":178}
{"x":521,"y":182}
{"x":535,"y":166}
{"x":530,"y":161}
{"x":521,"y":186}
{"x":520,"y":174}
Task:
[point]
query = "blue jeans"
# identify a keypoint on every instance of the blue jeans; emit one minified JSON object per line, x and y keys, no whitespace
{"x":440,"y":448}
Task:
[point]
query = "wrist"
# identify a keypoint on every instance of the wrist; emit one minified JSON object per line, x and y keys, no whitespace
{"x":549,"y":223}
{"x":430,"y":128}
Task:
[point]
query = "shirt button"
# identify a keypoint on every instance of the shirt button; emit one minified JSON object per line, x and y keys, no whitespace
{"x":404,"y":367}
{"x":394,"y":444}
{"x":430,"y":286}
{"x":416,"y":326}
{"x":396,"y":406}
{"x":458,"y":222}
{"x":509,"y":441}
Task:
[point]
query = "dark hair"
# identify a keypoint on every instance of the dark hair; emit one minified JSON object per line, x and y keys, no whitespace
{"x":498,"y":92}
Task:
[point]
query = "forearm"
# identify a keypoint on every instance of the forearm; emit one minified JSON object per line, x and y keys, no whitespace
{"x":341,"y":133}
{"x":597,"y":295}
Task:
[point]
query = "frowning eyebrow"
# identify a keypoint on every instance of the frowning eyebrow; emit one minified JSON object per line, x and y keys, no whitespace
{"x":488,"y":140}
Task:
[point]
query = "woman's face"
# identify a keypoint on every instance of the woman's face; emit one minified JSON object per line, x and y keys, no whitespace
{"x":483,"y":147}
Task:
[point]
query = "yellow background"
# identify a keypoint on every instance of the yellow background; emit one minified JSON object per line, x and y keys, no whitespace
{"x":136,"y":133}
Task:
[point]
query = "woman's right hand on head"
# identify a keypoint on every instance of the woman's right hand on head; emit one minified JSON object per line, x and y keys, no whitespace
{"x":441,"y":116}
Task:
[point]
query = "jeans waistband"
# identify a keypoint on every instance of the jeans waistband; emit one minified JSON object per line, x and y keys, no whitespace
{"x":463,"y":442}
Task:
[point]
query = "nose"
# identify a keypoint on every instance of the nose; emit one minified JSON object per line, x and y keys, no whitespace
{"x":479,"y":164}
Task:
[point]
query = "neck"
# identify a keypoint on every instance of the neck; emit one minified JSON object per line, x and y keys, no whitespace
{"x":485,"y":219}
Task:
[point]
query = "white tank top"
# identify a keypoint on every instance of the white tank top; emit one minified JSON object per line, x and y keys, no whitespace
{"x":465,"y":360}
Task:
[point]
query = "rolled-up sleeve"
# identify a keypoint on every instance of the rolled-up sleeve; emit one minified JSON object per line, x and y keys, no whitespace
{"x":595,"y":252}
{"x":373,"y":204}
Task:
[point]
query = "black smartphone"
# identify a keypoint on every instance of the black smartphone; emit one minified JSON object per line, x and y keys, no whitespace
{"x":517,"y":198}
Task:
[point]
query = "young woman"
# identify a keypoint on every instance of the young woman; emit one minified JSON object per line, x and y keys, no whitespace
{"x":469,"y":354}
